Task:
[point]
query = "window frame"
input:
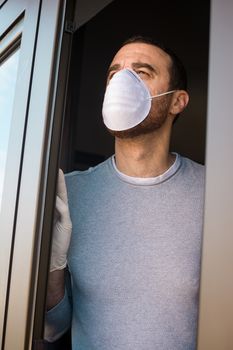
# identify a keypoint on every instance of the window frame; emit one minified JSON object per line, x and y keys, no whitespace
{"x":32,"y":163}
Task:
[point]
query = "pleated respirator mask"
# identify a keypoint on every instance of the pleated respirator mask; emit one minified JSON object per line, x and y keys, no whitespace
{"x":127,"y":101}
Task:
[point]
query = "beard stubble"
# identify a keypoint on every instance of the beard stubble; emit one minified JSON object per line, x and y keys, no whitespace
{"x":154,"y":120}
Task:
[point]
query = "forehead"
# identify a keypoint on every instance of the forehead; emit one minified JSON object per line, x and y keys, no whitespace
{"x":141,"y":52}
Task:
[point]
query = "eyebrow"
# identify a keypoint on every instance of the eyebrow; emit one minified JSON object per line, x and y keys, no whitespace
{"x":135,"y":65}
{"x":145,"y":65}
{"x":113,"y":68}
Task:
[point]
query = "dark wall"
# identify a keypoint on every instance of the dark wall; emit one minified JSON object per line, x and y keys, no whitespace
{"x":182,"y":25}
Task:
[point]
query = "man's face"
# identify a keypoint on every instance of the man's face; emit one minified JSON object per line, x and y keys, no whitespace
{"x":152,"y":65}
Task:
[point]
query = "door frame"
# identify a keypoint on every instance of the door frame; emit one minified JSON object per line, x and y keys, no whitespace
{"x":215,"y":329}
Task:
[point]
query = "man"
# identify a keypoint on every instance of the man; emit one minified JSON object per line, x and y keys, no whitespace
{"x":134,"y":253}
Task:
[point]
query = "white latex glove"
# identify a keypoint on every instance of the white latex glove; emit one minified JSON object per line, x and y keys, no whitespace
{"x":62,"y":227}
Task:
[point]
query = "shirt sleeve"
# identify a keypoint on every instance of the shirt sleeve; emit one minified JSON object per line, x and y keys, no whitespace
{"x":58,"y":319}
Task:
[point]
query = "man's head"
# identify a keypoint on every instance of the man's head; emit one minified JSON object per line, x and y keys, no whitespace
{"x":161,"y":71}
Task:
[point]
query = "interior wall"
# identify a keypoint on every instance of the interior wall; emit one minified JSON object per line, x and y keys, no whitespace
{"x":181,"y":25}
{"x":85,"y":10}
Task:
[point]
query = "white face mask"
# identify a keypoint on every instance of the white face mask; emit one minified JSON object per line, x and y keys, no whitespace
{"x":127,"y":101}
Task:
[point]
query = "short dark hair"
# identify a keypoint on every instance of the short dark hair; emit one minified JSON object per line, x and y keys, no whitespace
{"x":178,"y":76}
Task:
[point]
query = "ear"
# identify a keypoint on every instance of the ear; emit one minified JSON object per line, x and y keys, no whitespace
{"x":179,"y":102}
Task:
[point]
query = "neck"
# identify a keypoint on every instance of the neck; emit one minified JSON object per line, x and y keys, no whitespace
{"x":145,"y":155}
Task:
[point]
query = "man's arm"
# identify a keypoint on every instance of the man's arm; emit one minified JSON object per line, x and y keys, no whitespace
{"x":59,"y":311}
{"x":56,"y":288}
{"x":60,"y":243}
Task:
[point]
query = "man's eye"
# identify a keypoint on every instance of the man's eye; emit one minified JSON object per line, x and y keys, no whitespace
{"x":141,"y":73}
{"x":111,"y":75}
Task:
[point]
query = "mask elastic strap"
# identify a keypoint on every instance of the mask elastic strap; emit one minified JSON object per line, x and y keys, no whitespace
{"x":162,"y":94}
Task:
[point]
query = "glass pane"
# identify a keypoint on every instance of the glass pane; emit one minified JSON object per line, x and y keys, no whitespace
{"x":8,"y":75}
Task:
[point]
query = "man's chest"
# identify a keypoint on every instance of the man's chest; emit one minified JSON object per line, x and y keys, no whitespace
{"x":128,"y":249}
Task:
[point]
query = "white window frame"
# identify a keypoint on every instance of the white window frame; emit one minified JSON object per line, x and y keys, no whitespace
{"x":23,"y":200}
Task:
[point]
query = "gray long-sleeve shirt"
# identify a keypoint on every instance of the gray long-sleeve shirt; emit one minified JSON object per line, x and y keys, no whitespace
{"x":134,"y":259}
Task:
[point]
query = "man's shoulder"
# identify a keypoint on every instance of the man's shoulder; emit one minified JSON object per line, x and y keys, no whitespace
{"x":81,"y":174}
{"x":193,"y":163}
{"x":193,"y":169}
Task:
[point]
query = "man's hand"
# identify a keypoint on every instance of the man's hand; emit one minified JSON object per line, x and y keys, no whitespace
{"x":62,"y":227}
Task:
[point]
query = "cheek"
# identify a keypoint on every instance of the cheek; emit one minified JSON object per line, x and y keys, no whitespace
{"x":153,"y":89}
{"x":156,"y":88}
{"x":160,"y":105}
